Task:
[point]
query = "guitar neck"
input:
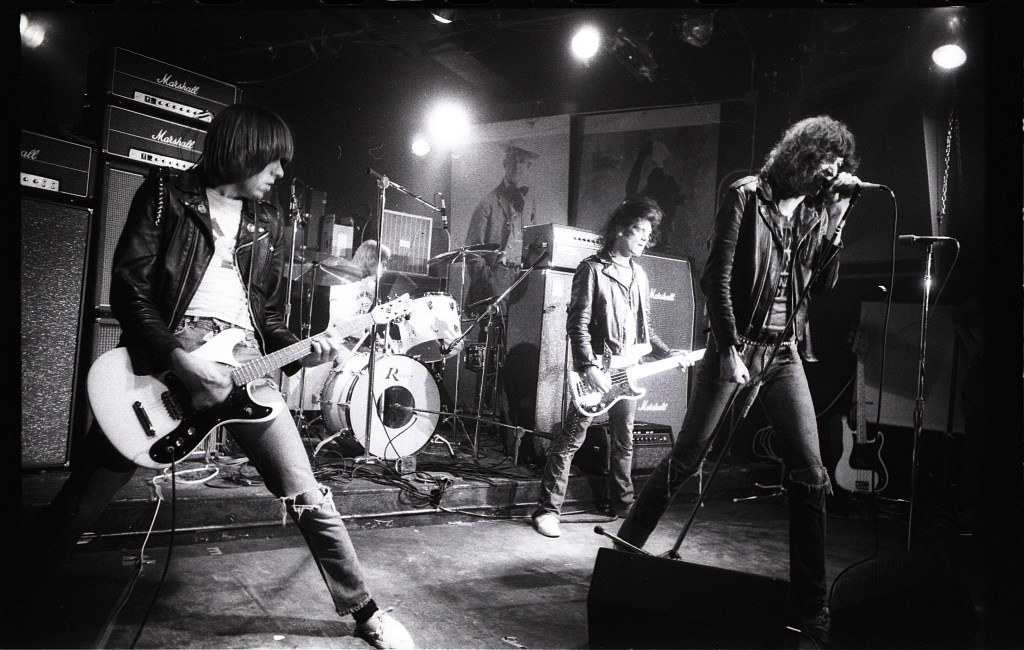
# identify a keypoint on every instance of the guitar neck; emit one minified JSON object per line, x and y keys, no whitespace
{"x":661,"y":365}
{"x":257,"y":368}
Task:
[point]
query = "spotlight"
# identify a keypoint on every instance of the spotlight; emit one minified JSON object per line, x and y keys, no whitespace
{"x":445,"y":16}
{"x":696,"y":29}
{"x":448,"y":125}
{"x":32,"y":34}
{"x":949,"y":56}
{"x":420,"y":146}
{"x":586,"y":42}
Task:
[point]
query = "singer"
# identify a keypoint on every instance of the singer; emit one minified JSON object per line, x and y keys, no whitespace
{"x":771,"y":231}
{"x":609,"y":310}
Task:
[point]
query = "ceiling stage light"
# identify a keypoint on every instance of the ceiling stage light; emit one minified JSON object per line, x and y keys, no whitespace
{"x":586,"y":42}
{"x":949,"y":56}
{"x":448,"y":125}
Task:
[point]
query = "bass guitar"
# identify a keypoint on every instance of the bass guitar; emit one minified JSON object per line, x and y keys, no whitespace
{"x":625,"y":371}
{"x":860,"y":467}
{"x":150,"y":419}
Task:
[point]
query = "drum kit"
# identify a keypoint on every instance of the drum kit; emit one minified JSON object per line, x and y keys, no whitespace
{"x":410,"y":355}
{"x":385,"y":394}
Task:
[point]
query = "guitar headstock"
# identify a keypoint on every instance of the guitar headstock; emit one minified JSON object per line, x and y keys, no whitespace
{"x":389,"y":311}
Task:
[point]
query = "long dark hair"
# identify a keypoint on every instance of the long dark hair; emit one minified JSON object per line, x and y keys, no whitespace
{"x":630,"y":212}
{"x":796,"y":158}
{"x":241,"y":141}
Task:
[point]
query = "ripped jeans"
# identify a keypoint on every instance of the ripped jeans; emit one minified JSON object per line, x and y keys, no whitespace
{"x":274,"y":448}
{"x":786,"y":399}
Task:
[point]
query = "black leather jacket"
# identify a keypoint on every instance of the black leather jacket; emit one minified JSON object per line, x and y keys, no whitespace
{"x":161,"y":257}
{"x":742,"y":272}
{"x":597,"y":313}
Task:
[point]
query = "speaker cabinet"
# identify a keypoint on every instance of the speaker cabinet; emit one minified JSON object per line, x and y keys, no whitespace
{"x":54,"y":240}
{"x":120,"y":182}
{"x":537,"y":355}
{"x":907,"y":600}
{"x":672,"y":317}
{"x":640,"y":601}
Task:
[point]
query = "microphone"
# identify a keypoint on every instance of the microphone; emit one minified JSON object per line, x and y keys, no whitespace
{"x":292,"y":203}
{"x":369,"y":170}
{"x":910,"y":240}
{"x":863,"y":185}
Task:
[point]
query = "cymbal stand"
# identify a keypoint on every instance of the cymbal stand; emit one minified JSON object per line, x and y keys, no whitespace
{"x":299,"y":221}
{"x":488,"y":313}
{"x":383,"y":183}
{"x":461,"y":256}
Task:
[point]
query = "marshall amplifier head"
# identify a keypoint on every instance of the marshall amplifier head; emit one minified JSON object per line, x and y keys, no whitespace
{"x":151,"y":140}
{"x":119,"y":76}
{"x":56,"y":167}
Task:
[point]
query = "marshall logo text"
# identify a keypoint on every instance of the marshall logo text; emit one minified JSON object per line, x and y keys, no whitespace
{"x":178,"y":85}
{"x":164,"y":138}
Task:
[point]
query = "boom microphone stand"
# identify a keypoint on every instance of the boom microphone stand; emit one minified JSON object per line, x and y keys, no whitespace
{"x":383,"y":183}
{"x":488,"y":313}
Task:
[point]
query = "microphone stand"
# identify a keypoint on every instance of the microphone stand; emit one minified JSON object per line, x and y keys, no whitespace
{"x":383,"y":183}
{"x":919,"y":402}
{"x":488,"y":313}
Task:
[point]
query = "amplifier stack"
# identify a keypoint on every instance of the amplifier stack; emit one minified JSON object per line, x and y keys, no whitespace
{"x":143,"y":114}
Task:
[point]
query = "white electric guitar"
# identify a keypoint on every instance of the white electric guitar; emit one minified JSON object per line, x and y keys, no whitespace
{"x":625,"y":371}
{"x":150,"y":419}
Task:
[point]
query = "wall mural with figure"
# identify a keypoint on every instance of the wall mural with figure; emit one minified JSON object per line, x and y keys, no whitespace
{"x":669,"y":154}
{"x":509,"y":175}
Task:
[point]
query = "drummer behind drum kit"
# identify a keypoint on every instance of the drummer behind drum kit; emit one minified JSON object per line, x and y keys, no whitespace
{"x":404,"y":389}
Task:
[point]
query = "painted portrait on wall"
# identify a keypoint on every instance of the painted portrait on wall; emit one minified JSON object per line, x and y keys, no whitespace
{"x":510,"y":175}
{"x":669,"y":154}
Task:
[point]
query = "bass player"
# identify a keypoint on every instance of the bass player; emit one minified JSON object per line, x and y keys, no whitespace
{"x":609,"y":311}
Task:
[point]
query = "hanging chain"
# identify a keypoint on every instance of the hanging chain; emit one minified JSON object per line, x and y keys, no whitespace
{"x":952,"y":125}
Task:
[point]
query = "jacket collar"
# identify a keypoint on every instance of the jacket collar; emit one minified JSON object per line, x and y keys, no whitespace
{"x":194,"y":195}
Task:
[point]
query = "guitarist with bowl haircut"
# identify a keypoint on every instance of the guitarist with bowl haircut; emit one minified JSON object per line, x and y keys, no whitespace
{"x":202,"y":259}
{"x":609,"y":312}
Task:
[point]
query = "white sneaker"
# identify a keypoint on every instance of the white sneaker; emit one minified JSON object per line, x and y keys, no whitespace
{"x":547,"y":524}
{"x":382,"y":630}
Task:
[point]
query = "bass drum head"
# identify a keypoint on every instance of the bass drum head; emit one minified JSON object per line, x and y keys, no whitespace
{"x":398,"y":382}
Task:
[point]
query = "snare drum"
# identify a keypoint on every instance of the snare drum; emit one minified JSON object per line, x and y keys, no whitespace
{"x":397,"y":380}
{"x":430,"y":327}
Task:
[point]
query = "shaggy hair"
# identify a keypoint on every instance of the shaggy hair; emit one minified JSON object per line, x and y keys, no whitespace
{"x":241,"y":141}
{"x":793,"y":163}
{"x":630,"y":212}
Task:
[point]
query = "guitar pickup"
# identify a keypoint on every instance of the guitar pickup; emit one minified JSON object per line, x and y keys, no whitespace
{"x":140,"y":413}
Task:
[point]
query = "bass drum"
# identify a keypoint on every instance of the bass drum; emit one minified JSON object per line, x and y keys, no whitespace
{"x":397,"y":381}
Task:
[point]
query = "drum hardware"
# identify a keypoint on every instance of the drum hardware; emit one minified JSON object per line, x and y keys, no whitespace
{"x":383,"y":183}
{"x":518,"y":432}
{"x":492,"y":309}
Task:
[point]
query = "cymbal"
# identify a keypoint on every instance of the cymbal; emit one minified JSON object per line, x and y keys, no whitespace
{"x":479,"y":249}
{"x":331,"y":270}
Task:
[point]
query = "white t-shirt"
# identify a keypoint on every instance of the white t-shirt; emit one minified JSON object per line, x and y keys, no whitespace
{"x":221,"y":293}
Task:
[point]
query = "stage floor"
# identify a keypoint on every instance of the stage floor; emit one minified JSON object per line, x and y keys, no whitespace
{"x":462,"y":568}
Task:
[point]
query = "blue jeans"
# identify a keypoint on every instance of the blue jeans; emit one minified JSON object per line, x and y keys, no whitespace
{"x":570,"y":438}
{"x":274,"y":448}
{"x":786,"y":398}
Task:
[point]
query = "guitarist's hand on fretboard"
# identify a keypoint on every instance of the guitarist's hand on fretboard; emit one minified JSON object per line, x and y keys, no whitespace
{"x":325,"y":347}
{"x":208,"y":382}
